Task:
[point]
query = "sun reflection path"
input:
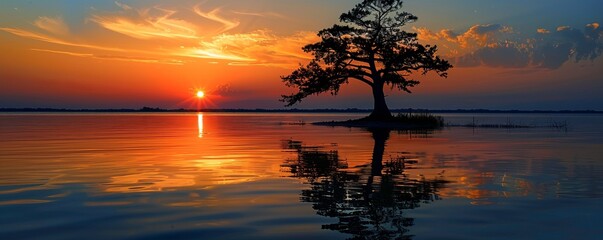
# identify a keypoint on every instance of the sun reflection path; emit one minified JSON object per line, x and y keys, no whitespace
{"x":200,"y":124}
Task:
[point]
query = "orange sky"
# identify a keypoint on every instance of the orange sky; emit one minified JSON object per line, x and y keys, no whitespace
{"x":102,"y":54}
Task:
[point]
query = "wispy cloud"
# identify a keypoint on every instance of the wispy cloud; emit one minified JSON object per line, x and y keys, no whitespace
{"x":214,"y":15}
{"x":146,"y":30}
{"x":260,"y":47}
{"x":123,"y":6}
{"x":54,"y":40}
{"x":54,"y":25}
{"x":75,"y":54}
{"x":112,"y":57}
{"x":259,"y":14}
{"x":62,"y":42}
{"x":147,"y":23}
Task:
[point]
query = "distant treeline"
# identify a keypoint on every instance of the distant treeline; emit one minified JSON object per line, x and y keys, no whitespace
{"x":294,"y":110}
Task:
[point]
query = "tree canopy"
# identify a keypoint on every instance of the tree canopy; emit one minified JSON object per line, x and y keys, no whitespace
{"x":369,"y":46}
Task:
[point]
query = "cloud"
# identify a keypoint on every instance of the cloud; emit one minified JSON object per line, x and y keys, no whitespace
{"x":148,"y":23}
{"x":563,"y":28}
{"x":481,"y":34}
{"x":62,"y":42}
{"x":54,"y":25}
{"x":146,"y":31}
{"x":495,"y":45}
{"x":261,"y":47}
{"x":477,"y":35}
{"x":214,"y":15}
{"x":495,"y":56}
{"x":449,"y":35}
{"x":260,"y":14}
{"x":552,"y":55}
{"x":156,"y":22}
{"x":112,"y":57}
{"x":427,"y":35}
{"x":543,"y":31}
{"x":257,"y":48}
{"x":75,"y":54}
{"x":123,"y":6}
{"x":54,"y":40}
{"x":444,"y":34}
{"x":568,"y":43}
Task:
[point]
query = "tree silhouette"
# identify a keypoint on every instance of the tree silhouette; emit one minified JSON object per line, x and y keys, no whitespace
{"x":370,"y":47}
{"x":368,"y":203}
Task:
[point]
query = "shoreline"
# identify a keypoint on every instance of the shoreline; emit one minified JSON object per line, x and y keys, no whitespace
{"x":259,"y":110}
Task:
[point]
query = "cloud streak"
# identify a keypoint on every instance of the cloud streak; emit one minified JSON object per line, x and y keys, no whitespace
{"x":54,"y":40}
{"x":112,"y":57}
{"x":54,"y":25}
{"x":214,"y":15}
{"x":158,"y":35}
{"x":147,"y":23}
{"x":260,"y":47}
{"x":259,"y":14}
{"x":106,"y":56}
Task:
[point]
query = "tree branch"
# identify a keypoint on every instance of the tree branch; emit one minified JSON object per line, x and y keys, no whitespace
{"x":364,"y":80}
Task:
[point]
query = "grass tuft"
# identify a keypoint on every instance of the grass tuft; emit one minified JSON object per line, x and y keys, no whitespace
{"x":423,"y":119}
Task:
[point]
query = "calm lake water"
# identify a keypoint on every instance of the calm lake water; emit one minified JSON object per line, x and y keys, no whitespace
{"x":269,"y":176}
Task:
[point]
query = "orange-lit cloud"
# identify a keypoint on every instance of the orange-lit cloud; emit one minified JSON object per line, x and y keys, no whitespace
{"x":477,"y":35}
{"x":54,"y":25}
{"x":260,"y":14}
{"x":256,"y":48}
{"x":123,"y":6}
{"x":260,"y":47}
{"x":483,"y":35}
{"x":45,"y":38}
{"x":147,"y":23}
{"x":563,"y":28}
{"x":158,"y":35}
{"x":543,"y":31}
{"x":495,"y":45}
{"x":112,"y":57}
{"x":214,"y":15}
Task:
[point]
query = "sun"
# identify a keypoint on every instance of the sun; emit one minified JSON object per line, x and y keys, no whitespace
{"x":200,"y":94}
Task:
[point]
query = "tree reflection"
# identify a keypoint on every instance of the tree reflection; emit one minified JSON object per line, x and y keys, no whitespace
{"x":369,"y":200}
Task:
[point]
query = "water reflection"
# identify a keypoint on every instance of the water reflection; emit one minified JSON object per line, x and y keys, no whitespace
{"x":150,"y":176}
{"x":200,"y":124}
{"x":368,"y":200}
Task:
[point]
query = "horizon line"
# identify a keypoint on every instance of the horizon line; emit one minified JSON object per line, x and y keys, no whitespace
{"x":293,"y":110}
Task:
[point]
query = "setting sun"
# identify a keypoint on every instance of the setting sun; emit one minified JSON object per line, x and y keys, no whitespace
{"x":200,"y":94}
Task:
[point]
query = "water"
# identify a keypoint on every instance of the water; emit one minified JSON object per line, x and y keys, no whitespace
{"x":271,"y":176}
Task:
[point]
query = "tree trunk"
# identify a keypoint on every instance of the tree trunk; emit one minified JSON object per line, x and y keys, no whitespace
{"x":380,"y":109}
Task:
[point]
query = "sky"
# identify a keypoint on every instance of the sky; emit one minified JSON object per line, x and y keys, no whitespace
{"x":526,"y":55}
